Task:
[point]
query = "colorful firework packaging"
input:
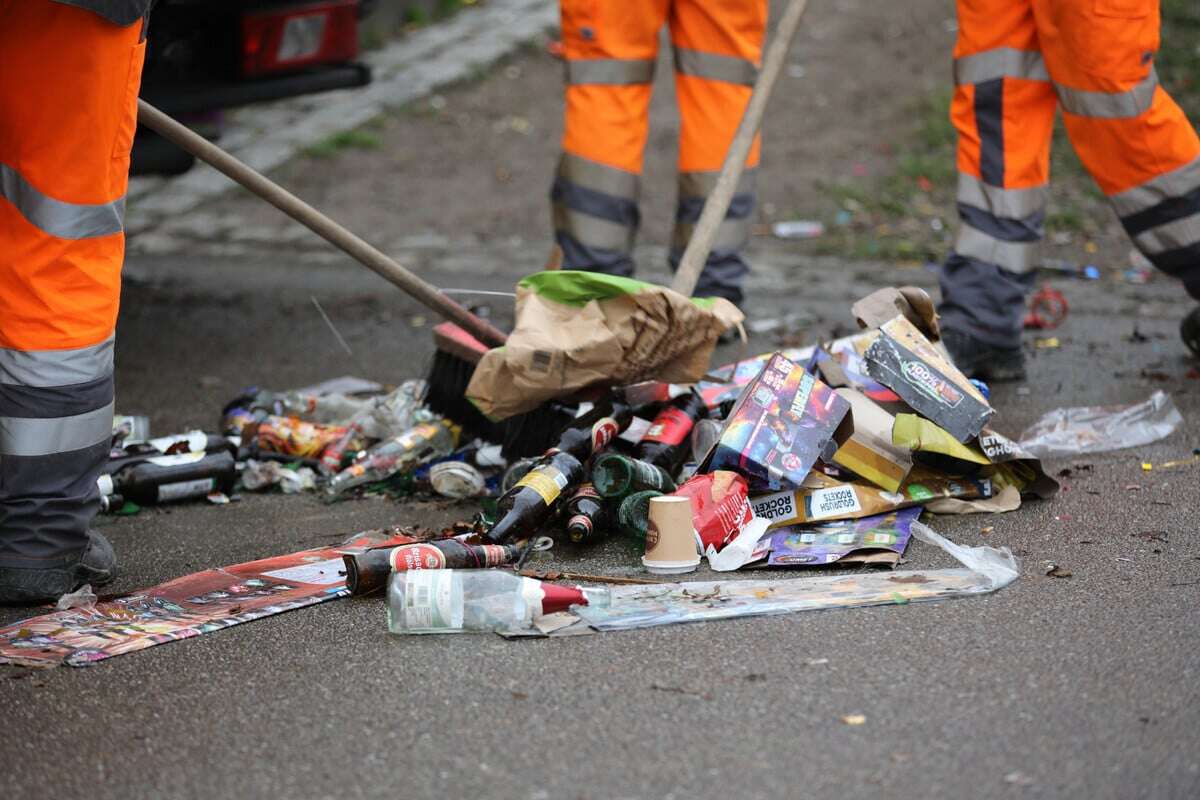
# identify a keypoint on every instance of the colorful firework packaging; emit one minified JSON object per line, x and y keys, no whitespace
{"x":781,"y":424}
{"x":906,"y":362}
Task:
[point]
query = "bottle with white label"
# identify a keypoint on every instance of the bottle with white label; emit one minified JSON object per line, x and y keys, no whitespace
{"x":168,"y":479}
{"x":476,"y":600}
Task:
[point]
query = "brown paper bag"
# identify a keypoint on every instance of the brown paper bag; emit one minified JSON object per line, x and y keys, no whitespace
{"x":578,"y":329}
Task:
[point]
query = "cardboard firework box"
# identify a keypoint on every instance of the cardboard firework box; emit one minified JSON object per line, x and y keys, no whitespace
{"x":781,"y":424}
{"x":907,"y":363}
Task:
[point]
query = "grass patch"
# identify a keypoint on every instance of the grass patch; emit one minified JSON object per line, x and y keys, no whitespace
{"x":357,"y":139}
{"x":1178,"y":58}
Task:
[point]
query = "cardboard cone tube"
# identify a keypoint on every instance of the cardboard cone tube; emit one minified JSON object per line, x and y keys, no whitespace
{"x":670,"y":537}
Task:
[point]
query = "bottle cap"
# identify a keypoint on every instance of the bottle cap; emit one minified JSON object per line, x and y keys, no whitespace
{"x":579,"y":527}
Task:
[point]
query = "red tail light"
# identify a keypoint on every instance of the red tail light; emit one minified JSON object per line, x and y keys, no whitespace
{"x":282,"y":39}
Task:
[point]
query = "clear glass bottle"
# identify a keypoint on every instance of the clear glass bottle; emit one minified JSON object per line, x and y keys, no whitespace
{"x":476,"y":600}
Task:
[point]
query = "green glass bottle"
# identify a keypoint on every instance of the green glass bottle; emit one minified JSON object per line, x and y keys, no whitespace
{"x":616,"y":476}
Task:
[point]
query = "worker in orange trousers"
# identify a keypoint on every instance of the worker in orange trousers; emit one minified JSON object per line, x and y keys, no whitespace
{"x":1016,"y":63}
{"x":611,"y":47}
{"x":69,"y":79}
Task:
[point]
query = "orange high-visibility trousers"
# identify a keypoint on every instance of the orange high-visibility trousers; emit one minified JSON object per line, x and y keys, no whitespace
{"x":68,"y":91}
{"x":1015,"y":64}
{"x":610,"y":48}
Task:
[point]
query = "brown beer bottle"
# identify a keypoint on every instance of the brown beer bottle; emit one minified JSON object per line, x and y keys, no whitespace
{"x":369,"y":571}
{"x":587,"y":520}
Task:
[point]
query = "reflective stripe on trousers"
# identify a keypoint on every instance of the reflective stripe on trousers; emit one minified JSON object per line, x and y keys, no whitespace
{"x":54,"y":438}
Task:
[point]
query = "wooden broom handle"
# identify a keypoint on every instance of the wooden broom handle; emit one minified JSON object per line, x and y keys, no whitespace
{"x":691,"y":264}
{"x":341,"y":238}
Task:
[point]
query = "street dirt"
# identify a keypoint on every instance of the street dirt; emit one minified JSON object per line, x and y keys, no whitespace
{"x":1054,"y":687}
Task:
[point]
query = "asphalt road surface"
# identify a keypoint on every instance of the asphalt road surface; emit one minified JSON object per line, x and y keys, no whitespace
{"x":1083,"y":686}
{"x":1054,"y":687}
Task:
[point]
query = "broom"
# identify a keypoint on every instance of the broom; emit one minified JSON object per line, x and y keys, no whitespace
{"x":456,"y":354}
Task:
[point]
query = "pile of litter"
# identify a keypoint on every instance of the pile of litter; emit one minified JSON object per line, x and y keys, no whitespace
{"x":798,"y":459}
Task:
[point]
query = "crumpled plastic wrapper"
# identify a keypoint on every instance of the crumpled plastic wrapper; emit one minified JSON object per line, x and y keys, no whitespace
{"x":1097,"y":429}
{"x":259,"y":476}
{"x":83,"y":597}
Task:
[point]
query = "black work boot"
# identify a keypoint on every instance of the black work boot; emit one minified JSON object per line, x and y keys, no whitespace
{"x":987,"y":362}
{"x":97,"y":566}
{"x":1189,"y":329}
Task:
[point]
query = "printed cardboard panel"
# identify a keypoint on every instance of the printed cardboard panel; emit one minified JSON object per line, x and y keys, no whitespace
{"x":885,"y":536}
{"x":823,"y":498}
{"x":869,"y":451}
{"x":185,"y":607}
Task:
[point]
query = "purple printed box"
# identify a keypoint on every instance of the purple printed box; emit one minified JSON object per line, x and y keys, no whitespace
{"x":780,"y":425}
{"x":881,"y":539}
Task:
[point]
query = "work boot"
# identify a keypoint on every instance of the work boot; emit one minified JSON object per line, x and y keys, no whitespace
{"x":1189,"y":329}
{"x":97,"y":566}
{"x":987,"y":362}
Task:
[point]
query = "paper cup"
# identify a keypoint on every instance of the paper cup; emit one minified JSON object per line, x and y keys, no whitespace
{"x":670,"y":537}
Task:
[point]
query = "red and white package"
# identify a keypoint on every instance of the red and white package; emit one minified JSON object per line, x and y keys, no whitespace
{"x":720,"y":506}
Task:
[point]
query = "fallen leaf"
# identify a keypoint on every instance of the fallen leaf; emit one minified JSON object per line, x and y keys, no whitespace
{"x":987,"y":530}
{"x":1018,"y":778}
{"x":854,"y":719}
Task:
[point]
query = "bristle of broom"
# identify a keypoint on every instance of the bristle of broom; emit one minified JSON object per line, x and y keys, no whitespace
{"x":454,"y":361}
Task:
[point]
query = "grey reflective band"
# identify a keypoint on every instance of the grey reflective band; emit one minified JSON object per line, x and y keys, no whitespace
{"x":1171,"y":236}
{"x":615,"y":71}
{"x":701,"y":184}
{"x":64,"y":220}
{"x":1012,"y":256}
{"x":20,"y":436}
{"x":1002,"y":62}
{"x":593,"y":231}
{"x":1007,"y":203}
{"x":1176,"y":183}
{"x":46,"y":368}
{"x":1110,"y":105}
{"x":714,"y":66}
{"x":598,"y":177}
{"x":732,"y":235}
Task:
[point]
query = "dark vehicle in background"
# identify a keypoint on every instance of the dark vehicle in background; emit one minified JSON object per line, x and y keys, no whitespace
{"x":207,"y":55}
